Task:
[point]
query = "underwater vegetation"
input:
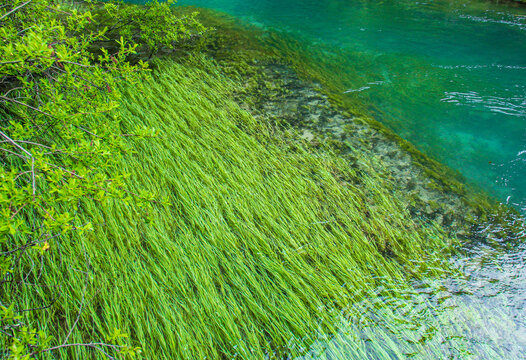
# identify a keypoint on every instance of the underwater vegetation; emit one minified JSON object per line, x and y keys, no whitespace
{"x":263,"y":242}
{"x":256,"y":243}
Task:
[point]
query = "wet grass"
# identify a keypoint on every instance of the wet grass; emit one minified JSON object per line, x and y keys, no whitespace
{"x":265,"y":241}
{"x":237,"y":46}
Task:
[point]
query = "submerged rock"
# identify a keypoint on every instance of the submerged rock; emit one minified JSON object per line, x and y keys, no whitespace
{"x":303,"y":106}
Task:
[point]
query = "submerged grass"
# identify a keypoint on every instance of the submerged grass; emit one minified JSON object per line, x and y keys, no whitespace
{"x":269,"y":247}
{"x":241,"y":48}
{"x":237,"y":44}
{"x":265,"y":240}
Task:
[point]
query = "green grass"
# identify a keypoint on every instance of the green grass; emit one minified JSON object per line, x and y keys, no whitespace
{"x":264,"y":243}
{"x":239,"y":47}
{"x":270,"y":248}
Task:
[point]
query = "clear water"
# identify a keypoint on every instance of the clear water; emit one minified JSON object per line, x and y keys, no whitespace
{"x":479,"y":314}
{"x":464,"y":103}
{"x":450,"y":77}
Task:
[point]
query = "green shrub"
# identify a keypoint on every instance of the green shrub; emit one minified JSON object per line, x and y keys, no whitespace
{"x":59,"y":73}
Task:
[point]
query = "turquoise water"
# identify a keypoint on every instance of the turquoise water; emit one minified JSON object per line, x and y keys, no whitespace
{"x":449,"y":76}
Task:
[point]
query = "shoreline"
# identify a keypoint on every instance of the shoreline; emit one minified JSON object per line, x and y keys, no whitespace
{"x":319,"y":112}
{"x":276,"y":211}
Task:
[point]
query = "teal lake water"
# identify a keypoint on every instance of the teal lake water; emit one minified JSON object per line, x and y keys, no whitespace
{"x":450,"y":77}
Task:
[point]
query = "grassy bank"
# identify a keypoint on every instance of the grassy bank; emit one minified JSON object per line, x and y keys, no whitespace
{"x":265,"y":245}
{"x":243,"y":50}
{"x":263,"y":241}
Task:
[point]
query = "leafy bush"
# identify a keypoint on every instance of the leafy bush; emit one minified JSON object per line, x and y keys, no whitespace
{"x":59,"y":73}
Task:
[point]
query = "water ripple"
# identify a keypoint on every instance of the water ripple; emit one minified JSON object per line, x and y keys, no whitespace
{"x":486,"y":66}
{"x":512,"y":21}
{"x":514,"y":106}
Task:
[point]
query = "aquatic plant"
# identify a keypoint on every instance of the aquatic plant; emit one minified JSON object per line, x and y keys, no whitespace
{"x":247,"y":243}
{"x":334,"y":71}
{"x":263,"y":241}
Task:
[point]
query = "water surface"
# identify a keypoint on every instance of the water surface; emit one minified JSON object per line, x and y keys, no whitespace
{"x":449,"y":76}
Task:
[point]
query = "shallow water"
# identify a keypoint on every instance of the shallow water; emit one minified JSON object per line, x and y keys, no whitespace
{"x":477,"y":314}
{"x":463,"y":100}
{"x":450,"y":77}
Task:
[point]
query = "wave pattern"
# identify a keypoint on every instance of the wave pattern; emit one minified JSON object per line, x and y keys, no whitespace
{"x":514,"y":106}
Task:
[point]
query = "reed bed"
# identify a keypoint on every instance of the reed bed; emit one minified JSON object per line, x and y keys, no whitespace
{"x":265,"y":243}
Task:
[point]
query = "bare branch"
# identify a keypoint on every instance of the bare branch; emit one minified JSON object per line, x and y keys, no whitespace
{"x":13,"y":89}
{"x":33,"y":178}
{"x":78,"y":76}
{"x":15,"y":144}
{"x":54,"y":300}
{"x":20,"y":209}
{"x":80,"y":310}
{"x":72,"y":173}
{"x":21,"y":248}
{"x":26,"y":105}
{"x":91,"y":345}
{"x":77,"y":64}
{"x":11,"y":62}
{"x":21,"y":174}
{"x":58,"y":10}
{"x":24,"y":30}
{"x":14,"y":153}
{"x":87,"y":131}
{"x":15,"y":9}
{"x":30,"y":143}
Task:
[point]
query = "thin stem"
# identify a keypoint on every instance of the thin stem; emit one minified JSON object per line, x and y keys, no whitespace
{"x":91,"y":345}
{"x":80,"y":311}
{"x":14,"y":143}
{"x":31,"y":143}
{"x":14,"y":153}
{"x":33,"y":178}
{"x":26,"y":105}
{"x":15,"y":9}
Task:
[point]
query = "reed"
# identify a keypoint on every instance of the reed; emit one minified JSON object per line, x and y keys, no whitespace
{"x":264,"y":243}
